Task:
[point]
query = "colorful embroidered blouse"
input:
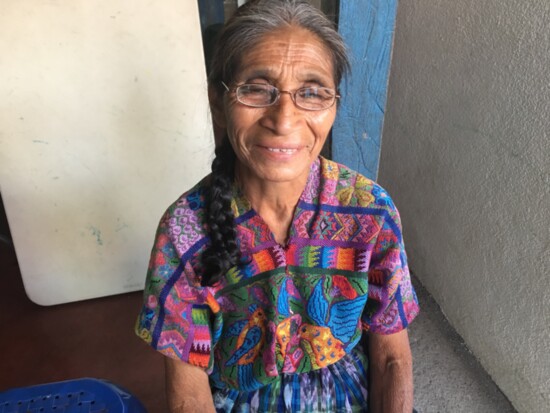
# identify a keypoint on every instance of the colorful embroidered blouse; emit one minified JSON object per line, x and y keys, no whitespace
{"x":288,"y":309}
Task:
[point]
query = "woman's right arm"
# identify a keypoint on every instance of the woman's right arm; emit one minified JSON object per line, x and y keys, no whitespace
{"x":187,"y":388}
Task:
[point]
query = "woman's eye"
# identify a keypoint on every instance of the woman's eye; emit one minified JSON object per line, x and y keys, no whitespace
{"x":310,"y":93}
{"x":256,"y":95}
{"x":254,"y":90}
{"x":323,"y":93}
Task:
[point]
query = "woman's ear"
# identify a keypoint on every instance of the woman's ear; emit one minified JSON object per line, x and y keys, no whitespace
{"x":216,"y":107}
{"x":218,"y":115}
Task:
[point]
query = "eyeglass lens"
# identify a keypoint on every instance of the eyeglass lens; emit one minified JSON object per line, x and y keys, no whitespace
{"x":311,"y":98}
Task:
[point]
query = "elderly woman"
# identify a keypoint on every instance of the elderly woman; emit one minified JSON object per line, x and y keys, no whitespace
{"x":265,"y":276}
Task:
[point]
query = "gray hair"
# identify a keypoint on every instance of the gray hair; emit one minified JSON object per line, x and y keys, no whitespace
{"x":257,"y":18}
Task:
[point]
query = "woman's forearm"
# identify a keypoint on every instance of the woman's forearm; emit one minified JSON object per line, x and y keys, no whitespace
{"x":391,"y":374}
{"x":187,"y":388}
{"x":392,"y":388}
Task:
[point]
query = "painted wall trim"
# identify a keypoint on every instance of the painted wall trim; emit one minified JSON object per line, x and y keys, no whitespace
{"x":367,"y":27}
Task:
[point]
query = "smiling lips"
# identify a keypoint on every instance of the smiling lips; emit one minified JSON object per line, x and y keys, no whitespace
{"x":283,"y":150}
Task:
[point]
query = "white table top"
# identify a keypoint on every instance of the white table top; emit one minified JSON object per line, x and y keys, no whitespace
{"x":103,"y":123}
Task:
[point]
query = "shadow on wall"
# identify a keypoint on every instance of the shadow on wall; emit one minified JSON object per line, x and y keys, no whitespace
{"x":5,"y":235}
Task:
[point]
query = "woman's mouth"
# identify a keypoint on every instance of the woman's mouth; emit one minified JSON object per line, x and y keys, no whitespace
{"x":282,"y":150}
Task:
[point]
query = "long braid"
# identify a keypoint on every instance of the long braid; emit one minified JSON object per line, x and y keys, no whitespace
{"x":222,"y":253}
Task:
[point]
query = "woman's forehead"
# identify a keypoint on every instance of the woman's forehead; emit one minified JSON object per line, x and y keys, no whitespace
{"x":292,"y":51}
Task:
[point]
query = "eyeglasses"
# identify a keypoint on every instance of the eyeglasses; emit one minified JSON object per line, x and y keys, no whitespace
{"x":264,"y":95}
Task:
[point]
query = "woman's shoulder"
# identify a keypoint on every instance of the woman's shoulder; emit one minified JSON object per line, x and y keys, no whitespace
{"x":345,"y":187}
{"x":190,"y":200}
{"x":183,"y":220}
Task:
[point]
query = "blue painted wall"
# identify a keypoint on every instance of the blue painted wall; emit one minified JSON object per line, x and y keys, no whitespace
{"x":367,"y":27}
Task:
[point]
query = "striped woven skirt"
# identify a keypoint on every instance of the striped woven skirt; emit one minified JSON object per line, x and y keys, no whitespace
{"x":340,"y":387}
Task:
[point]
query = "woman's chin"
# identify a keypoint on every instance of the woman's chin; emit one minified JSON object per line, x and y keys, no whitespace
{"x":278,"y":173}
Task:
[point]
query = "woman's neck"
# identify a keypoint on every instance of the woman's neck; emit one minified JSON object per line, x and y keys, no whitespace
{"x":275,"y":202}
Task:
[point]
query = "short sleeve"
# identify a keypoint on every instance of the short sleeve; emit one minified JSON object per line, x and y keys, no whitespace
{"x":176,"y":315}
{"x":392,"y":302}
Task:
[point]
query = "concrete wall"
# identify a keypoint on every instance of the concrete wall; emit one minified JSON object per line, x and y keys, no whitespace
{"x":465,"y":155}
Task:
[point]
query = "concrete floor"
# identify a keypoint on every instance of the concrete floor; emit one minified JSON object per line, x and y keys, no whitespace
{"x":448,"y":378}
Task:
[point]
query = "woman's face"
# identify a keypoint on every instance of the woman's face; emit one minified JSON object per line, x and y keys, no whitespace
{"x":280,"y":142}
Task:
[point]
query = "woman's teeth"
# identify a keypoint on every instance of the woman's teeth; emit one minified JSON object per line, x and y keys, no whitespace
{"x":281,"y":150}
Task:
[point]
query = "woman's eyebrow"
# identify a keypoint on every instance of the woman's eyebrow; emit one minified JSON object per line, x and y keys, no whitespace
{"x":310,"y":76}
{"x":314,"y":77}
{"x":260,"y":73}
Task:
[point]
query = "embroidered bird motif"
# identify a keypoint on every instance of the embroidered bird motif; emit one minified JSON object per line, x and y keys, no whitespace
{"x":250,"y":339}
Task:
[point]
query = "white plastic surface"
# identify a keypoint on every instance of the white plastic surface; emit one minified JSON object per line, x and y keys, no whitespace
{"x":103,"y":123}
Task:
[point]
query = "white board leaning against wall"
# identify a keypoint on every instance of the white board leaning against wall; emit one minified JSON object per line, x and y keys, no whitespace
{"x":103,"y":123}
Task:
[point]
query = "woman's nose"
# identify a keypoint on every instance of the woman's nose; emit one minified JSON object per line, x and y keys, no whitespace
{"x":284,"y":114}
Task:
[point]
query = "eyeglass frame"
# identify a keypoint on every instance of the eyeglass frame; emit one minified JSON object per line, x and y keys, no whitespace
{"x":279,"y":92}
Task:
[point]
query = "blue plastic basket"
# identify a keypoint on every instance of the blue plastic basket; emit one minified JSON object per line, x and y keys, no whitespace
{"x":73,"y":396}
